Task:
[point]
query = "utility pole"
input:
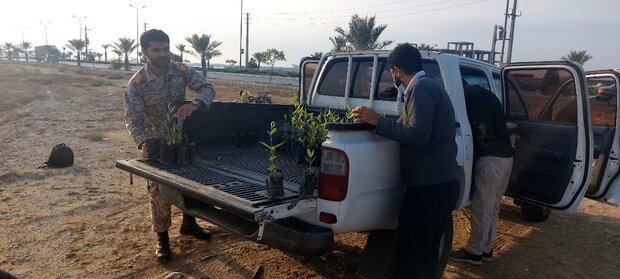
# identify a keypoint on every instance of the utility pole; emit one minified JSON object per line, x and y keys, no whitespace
{"x":241,"y":36}
{"x":501,"y":59}
{"x":512,"y":31}
{"x":247,"y":38}
{"x":86,"y":38}
{"x":145,"y":26}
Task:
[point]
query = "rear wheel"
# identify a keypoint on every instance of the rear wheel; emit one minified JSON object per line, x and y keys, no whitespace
{"x":535,"y":213}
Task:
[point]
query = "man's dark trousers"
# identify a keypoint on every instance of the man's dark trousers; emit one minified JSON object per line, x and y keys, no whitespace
{"x":425,"y":213}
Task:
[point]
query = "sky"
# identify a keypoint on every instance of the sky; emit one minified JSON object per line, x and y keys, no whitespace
{"x":546,"y":29}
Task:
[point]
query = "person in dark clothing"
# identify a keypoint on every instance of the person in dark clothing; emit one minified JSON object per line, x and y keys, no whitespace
{"x":426,"y":131}
{"x":493,"y":154}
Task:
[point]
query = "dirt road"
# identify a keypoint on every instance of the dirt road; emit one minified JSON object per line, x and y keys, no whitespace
{"x":86,"y":221}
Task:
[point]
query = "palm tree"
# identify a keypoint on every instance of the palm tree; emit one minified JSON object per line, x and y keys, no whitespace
{"x":273,"y":56}
{"x":105,"y":51}
{"x":205,"y":48}
{"x":317,"y":55}
{"x":118,"y":53}
{"x":25,"y":47}
{"x":126,"y":46}
{"x":340,"y":43}
{"x":426,"y":47}
{"x":362,"y":34}
{"x":68,"y":55}
{"x":77,"y":45}
{"x":99,"y":55}
{"x":182,"y":49}
{"x":8,"y":47}
{"x":580,"y":57}
{"x":261,"y":57}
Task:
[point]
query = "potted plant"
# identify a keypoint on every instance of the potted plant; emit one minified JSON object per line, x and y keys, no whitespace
{"x":184,"y":151}
{"x":299,"y":119}
{"x":274,"y":183}
{"x":311,"y":179}
{"x":168,"y":146}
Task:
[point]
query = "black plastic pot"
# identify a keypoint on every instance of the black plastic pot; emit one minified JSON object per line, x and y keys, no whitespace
{"x":300,"y":154}
{"x":168,"y":154}
{"x":184,"y":154}
{"x":311,"y":183}
{"x":153,"y":148}
{"x":274,"y":185}
{"x":317,"y":157}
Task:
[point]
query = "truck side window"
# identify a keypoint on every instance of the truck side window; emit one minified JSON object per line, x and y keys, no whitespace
{"x":335,"y":81}
{"x":386,"y":90}
{"x":497,"y":79}
{"x":548,"y":95}
{"x":362,"y":79}
{"x":309,"y":70}
{"x":603,"y":99}
{"x":475,"y":77}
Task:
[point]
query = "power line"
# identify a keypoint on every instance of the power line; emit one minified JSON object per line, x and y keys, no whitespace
{"x":370,"y":12}
{"x":382,"y":18}
{"x":336,"y":11}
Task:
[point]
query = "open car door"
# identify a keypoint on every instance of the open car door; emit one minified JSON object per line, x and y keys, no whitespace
{"x":603,"y":90}
{"x":307,"y":68}
{"x":548,"y":102}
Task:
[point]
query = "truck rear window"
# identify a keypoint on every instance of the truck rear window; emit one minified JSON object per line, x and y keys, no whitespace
{"x":387,"y":91}
{"x":333,"y":82}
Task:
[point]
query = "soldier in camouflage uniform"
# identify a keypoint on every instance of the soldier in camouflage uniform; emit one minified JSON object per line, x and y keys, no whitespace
{"x":158,"y":83}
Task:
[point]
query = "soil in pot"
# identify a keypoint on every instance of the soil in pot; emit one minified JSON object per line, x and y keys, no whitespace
{"x":274,"y":185}
{"x":184,"y":154}
{"x":168,"y":154}
{"x":311,"y":183}
{"x":153,"y":148}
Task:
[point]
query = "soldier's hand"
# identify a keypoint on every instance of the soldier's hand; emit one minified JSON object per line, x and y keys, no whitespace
{"x":365,"y":115}
{"x":186,"y":110}
{"x":145,"y":151}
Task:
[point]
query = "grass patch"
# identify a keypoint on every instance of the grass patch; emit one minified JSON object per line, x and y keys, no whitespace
{"x":94,"y":136}
{"x":9,"y":117}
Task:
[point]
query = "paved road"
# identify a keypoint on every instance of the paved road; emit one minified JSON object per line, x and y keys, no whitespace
{"x":217,"y":75}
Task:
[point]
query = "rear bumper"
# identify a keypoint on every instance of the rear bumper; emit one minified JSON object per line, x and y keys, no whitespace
{"x":289,"y":234}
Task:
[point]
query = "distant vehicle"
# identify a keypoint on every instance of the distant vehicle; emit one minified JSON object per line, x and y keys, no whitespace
{"x":607,"y":91}
{"x":46,"y":53}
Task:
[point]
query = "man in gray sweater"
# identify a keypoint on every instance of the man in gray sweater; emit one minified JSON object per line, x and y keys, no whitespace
{"x":426,"y":131}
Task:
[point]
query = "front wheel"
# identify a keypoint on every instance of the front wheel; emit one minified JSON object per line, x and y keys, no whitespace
{"x":535,"y":213}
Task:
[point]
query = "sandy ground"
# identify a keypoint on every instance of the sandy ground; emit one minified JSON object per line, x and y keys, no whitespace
{"x":86,"y":221}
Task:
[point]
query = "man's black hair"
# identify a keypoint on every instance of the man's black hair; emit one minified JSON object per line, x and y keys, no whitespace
{"x":406,"y":57}
{"x":153,"y":35}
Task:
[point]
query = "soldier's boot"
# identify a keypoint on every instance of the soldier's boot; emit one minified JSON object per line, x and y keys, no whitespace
{"x":163,"y":246}
{"x":190,"y":227}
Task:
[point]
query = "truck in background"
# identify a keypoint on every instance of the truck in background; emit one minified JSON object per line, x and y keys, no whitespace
{"x":47,"y":53}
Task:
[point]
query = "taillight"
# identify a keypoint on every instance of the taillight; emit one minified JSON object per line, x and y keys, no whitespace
{"x":334,"y":176}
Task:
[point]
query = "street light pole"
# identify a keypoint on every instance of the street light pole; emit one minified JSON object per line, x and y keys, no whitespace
{"x":137,"y":31}
{"x":45,"y":23}
{"x":23,"y":30}
{"x":80,"y":23}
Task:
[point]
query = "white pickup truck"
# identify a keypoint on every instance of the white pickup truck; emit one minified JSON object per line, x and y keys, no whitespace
{"x":558,"y":149}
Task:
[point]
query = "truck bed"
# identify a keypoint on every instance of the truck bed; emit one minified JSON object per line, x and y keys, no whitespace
{"x":228,"y":177}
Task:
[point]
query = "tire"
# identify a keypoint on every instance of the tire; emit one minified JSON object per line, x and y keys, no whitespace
{"x":535,"y":213}
{"x":445,"y":247}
